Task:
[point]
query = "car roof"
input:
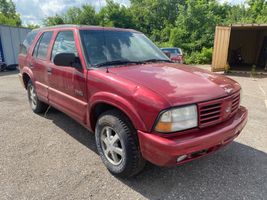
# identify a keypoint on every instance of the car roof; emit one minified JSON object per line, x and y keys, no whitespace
{"x":84,"y":27}
{"x":170,"y":48}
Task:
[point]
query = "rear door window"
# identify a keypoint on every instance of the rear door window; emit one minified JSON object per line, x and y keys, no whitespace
{"x":41,"y":47}
{"x":64,"y":43}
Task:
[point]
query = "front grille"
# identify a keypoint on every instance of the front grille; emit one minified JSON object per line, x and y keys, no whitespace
{"x":219,"y":110}
{"x":235,"y":104}
{"x":210,"y":114}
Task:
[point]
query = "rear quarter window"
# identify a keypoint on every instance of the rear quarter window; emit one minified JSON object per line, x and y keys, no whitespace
{"x":27,"y":42}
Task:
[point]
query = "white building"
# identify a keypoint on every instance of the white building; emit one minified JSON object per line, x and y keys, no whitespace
{"x":10,"y":40}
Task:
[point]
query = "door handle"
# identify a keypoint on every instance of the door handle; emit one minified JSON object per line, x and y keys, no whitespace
{"x":49,"y":71}
{"x":30,"y":65}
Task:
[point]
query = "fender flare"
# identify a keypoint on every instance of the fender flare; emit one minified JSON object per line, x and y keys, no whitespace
{"x":27,"y":71}
{"x":119,"y":102}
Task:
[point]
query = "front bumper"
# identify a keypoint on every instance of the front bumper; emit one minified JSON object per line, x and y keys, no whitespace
{"x":165,"y":151}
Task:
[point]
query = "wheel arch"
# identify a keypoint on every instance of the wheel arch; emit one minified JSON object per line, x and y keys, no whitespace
{"x":26,"y":78}
{"x":103,"y":102}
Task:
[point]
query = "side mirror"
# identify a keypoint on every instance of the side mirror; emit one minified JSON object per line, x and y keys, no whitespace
{"x":68,"y":60}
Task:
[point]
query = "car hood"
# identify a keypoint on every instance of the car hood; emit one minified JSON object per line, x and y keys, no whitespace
{"x":178,"y":84}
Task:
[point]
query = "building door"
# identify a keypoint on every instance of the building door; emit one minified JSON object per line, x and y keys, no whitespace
{"x":220,"y":48}
{"x":2,"y":60}
{"x":262,"y":62}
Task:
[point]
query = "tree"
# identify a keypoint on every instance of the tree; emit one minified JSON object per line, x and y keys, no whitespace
{"x":54,"y":20}
{"x":88,"y":15}
{"x":189,"y":24}
{"x":153,"y":17}
{"x":257,"y":10}
{"x":85,"y":15}
{"x":114,"y":14}
{"x":7,"y":8}
{"x":33,"y":26}
{"x":195,"y":25}
{"x":8,"y":13}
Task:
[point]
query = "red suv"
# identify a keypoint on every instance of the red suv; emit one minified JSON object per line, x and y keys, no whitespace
{"x":139,"y":104}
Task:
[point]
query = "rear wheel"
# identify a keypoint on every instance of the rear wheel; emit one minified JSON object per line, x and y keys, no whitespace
{"x":117,"y":144}
{"x":36,"y":105}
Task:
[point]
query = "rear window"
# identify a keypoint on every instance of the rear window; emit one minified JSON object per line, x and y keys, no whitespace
{"x":27,"y":42}
{"x":172,"y":51}
{"x":40,"y":49}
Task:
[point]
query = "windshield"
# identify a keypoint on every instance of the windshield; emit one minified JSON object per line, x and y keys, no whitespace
{"x":103,"y":46}
{"x":173,"y":51}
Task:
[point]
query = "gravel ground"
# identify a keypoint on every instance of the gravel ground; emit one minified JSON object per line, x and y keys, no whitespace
{"x":53,"y":157}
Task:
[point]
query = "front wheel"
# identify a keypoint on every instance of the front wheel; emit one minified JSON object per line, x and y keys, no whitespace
{"x":117,"y":144}
{"x":37,"y":106}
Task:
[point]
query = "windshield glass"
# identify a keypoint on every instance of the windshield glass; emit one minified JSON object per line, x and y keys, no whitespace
{"x":173,"y":51}
{"x":102,"y":46}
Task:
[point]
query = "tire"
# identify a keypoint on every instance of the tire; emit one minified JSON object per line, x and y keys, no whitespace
{"x":37,"y":106}
{"x":3,"y":67}
{"x":115,"y":135}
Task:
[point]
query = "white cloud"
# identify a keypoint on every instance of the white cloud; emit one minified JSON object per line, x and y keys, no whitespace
{"x":34,"y":11}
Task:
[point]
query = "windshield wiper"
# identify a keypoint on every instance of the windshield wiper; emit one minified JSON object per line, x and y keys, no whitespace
{"x":116,"y":62}
{"x":156,"y":60}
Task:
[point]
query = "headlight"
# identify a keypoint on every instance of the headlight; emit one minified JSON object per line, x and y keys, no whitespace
{"x":177,"y":119}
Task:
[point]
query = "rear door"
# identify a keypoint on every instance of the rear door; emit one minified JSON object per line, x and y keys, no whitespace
{"x":67,"y":85}
{"x":38,"y":64}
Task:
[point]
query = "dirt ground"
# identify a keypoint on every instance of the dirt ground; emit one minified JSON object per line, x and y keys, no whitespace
{"x":53,"y":157}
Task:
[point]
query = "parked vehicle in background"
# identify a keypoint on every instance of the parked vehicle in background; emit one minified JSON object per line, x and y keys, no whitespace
{"x":140,"y":105}
{"x":174,"y":53}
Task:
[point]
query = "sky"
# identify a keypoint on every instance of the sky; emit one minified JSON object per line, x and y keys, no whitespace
{"x":34,"y":11}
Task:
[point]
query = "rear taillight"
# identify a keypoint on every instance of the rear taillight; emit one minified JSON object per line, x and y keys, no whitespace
{"x":177,"y":58}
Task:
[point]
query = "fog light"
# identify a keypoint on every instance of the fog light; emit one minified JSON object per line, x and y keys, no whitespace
{"x":181,"y":158}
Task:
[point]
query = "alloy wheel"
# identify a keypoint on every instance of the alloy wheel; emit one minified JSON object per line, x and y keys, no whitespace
{"x":112,"y":146}
{"x":32,"y":97}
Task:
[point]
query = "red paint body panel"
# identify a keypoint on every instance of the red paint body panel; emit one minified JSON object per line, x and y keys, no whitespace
{"x":140,"y":91}
{"x":177,"y":58}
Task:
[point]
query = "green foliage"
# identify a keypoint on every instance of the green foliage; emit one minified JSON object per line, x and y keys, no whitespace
{"x":253,"y":72}
{"x":55,"y":20}
{"x":195,"y":25}
{"x":155,"y":18}
{"x":188,"y":24}
{"x":8,"y":15}
{"x":33,"y":26}
{"x":202,"y":57}
{"x":113,"y":14}
{"x":253,"y":12}
{"x":85,"y":15}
